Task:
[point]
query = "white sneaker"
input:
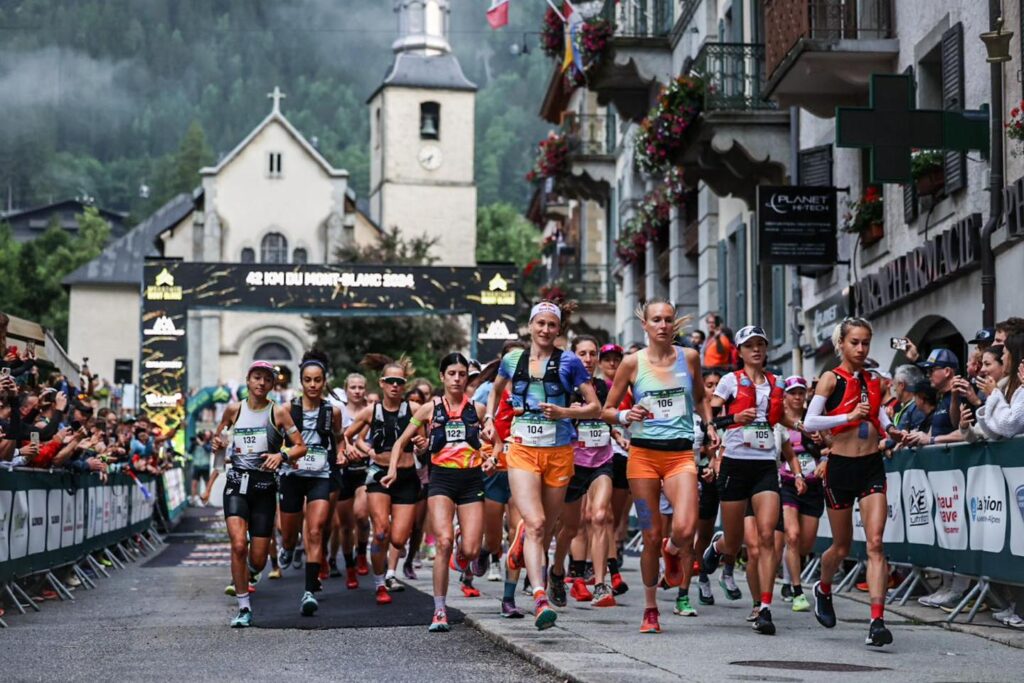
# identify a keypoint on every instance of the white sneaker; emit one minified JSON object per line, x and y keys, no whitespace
{"x":1014,"y":621}
{"x":936,"y":598}
{"x":1004,"y":614}
{"x":494,"y":573}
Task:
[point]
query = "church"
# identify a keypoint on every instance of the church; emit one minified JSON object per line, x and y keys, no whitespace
{"x":275,"y":199}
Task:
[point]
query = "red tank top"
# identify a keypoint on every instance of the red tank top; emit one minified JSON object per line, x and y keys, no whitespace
{"x":854,"y":389}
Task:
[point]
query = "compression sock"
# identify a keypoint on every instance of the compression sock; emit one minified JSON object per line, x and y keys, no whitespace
{"x":825,"y":588}
{"x":378,"y":580}
{"x":312,"y":574}
{"x":510,"y":591}
{"x":703,"y":578}
{"x":877,"y":609}
{"x":350,"y":560}
{"x":439,"y":602}
{"x":766,"y":599}
{"x":613,"y":565}
{"x":798,"y":590}
{"x":243,"y":601}
{"x":577,"y":568}
{"x":683,"y":592}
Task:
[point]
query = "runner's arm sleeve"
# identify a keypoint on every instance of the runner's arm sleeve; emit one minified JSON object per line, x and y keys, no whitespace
{"x":816,"y":421}
{"x":883,"y":419}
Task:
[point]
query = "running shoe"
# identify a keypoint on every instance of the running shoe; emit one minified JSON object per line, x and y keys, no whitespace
{"x":408,"y":571}
{"x":580,"y":592}
{"x":967,"y":608}
{"x":469,"y":590}
{"x":673,"y":565}
{"x":285,"y":557}
{"x":936,"y":598}
{"x":556,"y":584}
{"x":787,"y":593}
{"x":243,"y":619}
{"x":393,"y":585}
{"x":309,"y":604}
{"x":274,"y":573}
{"x":383,"y":598}
{"x":603,"y":596}
{"x":1004,"y":614}
{"x":704,"y":594}
{"x":510,"y":611}
{"x":951,"y":602}
{"x":1014,"y":621}
{"x":103,"y":560}
{"x":230,"y":589}
{"x":683,"y":607}
{"x":754,"y":612}
{"x":333,"y":566}
{"x":588,"y":575}
{"x":481,"y":564}
{"x":763,"y":623}
{"x":650,"y":624}
{"x":351,"y":578}
{"x":297,"y":562}
{"x":878,"y":634}
{"x":824,"y":612}
{"x":545,"y":617}
{"x":618,"y":585}
{"x":728,"y":584}
{"x":440,"y":622}
{"x":324,"y":573}
{"x":494,"y":574}
{"x":362,"y":566}
{"x":458,"y":561}
{"x":515,"y":559}
{"x":801,"y":603}
{"x":862,"y":586}
{"x":527,"y":588}
{"x":712,"y":557}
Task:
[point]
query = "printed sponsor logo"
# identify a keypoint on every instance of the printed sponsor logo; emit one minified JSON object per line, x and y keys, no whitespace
{"x":163,"y":327}
{"x":919,"y":509}
{"x":949,"y":513}
{"x":164,"y":365}
{"x":986,"y":509}
{"x":497,"y":330}
{"x":1019,"y":495}
{"x":163,"y":288}
{"x":38,"y":521}
{"x":162,"y":400}
{"x":497,"y":293}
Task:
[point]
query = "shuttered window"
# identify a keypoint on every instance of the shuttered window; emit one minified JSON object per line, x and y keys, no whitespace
{"x":955,"y":165}
{"x":816,"y":166}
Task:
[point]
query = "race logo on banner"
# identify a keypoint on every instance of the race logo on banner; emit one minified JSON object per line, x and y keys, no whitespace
{"x":917,"y":501}
{"x":950,"y":509}
{"x":37,"y":514}
{"x":894,"y":531}
{"x":986,"y":504}
{"x":1015,"y":483}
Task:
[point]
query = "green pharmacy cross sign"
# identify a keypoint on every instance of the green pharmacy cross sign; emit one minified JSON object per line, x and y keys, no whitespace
{"x":891,"y":127}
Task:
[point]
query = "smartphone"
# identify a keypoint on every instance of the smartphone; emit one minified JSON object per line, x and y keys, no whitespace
{"x":34,"y":438}
{"x":899,"y":343}
{"x":30,"y":347}
{"x":5,"y":372}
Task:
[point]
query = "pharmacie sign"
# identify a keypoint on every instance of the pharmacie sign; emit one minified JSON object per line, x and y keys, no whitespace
{"x":946,"y":256}
{"x":797,"y":225}
{"x":824,"y":316}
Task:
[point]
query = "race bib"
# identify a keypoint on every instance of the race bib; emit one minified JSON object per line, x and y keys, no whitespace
{"x":315,"y":460}
{"x":455,"y":432}
{"x":248,"y":441}
{"x":669,"y":404}
{"x":534,"y":431}
{"x":594,"y":434}
{"x":758,"y":435}
{"x":807,"y":464}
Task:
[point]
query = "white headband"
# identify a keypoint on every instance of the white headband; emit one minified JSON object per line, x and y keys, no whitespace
{"x":546,"y":307}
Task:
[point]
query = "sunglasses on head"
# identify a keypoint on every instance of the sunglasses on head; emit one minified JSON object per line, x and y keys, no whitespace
{"x":394,"y":381}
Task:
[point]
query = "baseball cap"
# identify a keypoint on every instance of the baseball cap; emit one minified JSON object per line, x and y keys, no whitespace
{"x":474,"y":368}
{"x":610,"y":348}
{"x":985,"y":335}
{"x":940,"y":358}
{"x":749,"y":332}
{"x":795,"y":382}
{"x":261,"y":365}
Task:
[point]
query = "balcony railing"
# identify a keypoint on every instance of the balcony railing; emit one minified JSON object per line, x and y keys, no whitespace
{"x":588,"y":284}
{"x":733,"y":76}
{"x":640,"y":18}
{"x":787,"y":21}
{"x":589,"y":134}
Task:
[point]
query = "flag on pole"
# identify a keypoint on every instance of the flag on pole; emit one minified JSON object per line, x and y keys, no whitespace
{"x":497,"y":15}
{"x":573,"y":27}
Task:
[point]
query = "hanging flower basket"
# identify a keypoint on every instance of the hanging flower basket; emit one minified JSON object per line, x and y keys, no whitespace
{"x":872,"y":234}
{"x":926,"y":167}
{"x":1015,"y":127}
{"x":661,"y":134}
{"x":867,"y":216}
{"x":652,"y":217}
{"x":552,"y":158}
{"x":552,"y":35}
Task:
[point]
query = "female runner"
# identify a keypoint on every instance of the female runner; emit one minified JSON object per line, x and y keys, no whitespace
{"x":661,"y":446}
{"x":540,"y":459}
{"x":352,"y":516}
{"x":452,"y":423}
{"x":592,"y":478}
{"x":609,"y":360}
{"x":747,"y":469}
{"x":848,"y":401}
{"x":250,"y":494}
{"x":392,"y":508}
{"x":307,"y":484}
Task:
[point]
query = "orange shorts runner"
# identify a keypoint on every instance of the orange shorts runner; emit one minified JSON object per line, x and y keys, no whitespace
{"x":554,"y":464}
{"x":646,"y":463}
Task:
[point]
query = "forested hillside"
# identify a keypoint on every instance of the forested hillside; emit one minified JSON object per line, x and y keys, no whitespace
{"x":99,"y":94}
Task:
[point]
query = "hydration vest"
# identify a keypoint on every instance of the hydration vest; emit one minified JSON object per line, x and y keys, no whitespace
{"x":324,"y":420}
{"x":552,"y":381}
{"x":746,"y":397}
{"x":438,"y":437}
{"x":850,"y":391}
{"x":384,"y":432}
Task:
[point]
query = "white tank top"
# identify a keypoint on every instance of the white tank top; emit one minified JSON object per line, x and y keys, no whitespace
{"x":249,"y":437}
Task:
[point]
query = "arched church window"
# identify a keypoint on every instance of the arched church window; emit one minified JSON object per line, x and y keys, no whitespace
{"x":300,"y":255}
{"x":274,"y":248}
{"x":430,"y":121}
{"x":272,"y":351}
{"x":248,"y":255}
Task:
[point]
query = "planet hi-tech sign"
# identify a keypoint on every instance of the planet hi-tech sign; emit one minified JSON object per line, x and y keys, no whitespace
{"x":796,"y":225}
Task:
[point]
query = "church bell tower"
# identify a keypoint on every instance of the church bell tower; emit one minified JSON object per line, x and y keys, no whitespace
{"x":422,"y":137}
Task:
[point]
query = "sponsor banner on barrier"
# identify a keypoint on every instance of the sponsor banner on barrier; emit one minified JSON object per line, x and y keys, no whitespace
{"x":895,"y":532}
{"x":917,"y":496}
{"x":1015,"y":483}
{"x":986,"y":507}
{"x":950,"y":522}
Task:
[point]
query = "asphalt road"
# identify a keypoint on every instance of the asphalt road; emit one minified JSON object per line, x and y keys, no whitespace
{"x":171,"y":623}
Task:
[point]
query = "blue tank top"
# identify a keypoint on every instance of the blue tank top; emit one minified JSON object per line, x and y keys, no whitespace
{"x":666,"y":393}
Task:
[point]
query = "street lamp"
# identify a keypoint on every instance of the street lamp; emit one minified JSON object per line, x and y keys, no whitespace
{"x":997,"y":43}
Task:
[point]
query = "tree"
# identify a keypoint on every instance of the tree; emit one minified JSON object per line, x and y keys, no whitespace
{"x":503,"y":234}
{"x":422,"y":338}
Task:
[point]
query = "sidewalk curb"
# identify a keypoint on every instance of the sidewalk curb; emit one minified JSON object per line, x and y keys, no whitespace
{"x":481,"y":626}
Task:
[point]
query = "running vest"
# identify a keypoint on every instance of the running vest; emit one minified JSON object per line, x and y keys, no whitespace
{"x":746,"y":397}
{"x":666,"y":393}
{"x":455,"y":435}
{"x":554,"y":392}
{"x":851,"y":390}
{"x":250,"y":435}
{"x":387,"y":426}
{"x":318,"y":435}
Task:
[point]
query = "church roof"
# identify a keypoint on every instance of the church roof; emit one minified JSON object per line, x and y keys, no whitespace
{"x":276,"y":115}
{"x":430,"y":72}
{"x":121,"y":262}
